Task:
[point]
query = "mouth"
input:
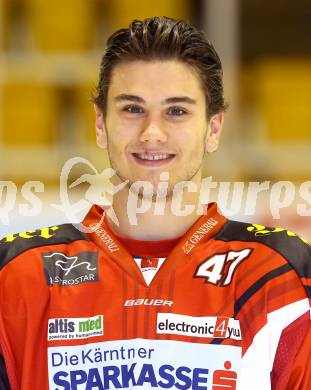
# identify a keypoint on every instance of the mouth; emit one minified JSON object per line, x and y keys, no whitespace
{"x":153,"y":158}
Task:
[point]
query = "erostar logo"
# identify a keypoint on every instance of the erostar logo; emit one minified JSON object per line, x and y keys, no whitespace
{"x":70,"y":270}
{"x":63,"y":264}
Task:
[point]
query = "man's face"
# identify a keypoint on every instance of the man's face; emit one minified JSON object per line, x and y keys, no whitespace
{"x":155,"y":122}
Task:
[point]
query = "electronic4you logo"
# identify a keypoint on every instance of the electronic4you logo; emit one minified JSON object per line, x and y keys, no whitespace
{"x":214,"y":327}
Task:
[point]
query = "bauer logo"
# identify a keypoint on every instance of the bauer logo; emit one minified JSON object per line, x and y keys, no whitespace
{"x":70,"y":270}
{"x":211,"y":327}
{"x":75,"y":328}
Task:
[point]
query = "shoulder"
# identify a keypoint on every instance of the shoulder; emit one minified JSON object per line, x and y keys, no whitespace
{"x":16,"y":244}
{"x":294,"y":249}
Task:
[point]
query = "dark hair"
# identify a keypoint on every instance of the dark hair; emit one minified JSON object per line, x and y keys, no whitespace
{"x":164,"y":38}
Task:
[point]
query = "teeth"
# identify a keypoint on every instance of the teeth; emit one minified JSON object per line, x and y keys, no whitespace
{"x":152,"y":158}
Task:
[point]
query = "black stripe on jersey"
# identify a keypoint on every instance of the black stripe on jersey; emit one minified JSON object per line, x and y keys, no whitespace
{"x":308,"y":289}
{"x":292,"y":248}
{"x":4,"y":381}
{"x":62,"y":235}
{"x":257,"y":286}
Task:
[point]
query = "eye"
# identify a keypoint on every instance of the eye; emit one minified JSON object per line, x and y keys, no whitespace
{"x":132,"y":109}
{"x":176,"y":111}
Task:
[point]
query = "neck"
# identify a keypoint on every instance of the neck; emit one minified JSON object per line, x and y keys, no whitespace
{"x":154,"y":220}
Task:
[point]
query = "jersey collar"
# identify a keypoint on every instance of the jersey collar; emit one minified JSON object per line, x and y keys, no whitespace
{"x":188,"y":246}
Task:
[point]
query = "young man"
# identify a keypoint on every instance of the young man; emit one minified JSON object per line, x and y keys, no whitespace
{"x":184,"y":298}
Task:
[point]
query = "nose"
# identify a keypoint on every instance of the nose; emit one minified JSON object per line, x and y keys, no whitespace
{"x":153,"y":131}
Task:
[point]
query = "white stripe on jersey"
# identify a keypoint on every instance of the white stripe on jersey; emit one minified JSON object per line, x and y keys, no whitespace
{"x":259,"y":358}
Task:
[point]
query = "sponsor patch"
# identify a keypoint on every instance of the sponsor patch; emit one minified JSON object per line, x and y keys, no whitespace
{"x":111,"y":245}
{"x":75,"y":328}
{"x":260,"y":230}
{"x":143,"y":364}
{"x":46,"y":233}
{"x":198,"y":235}
{"x":211,"y":327}
{"x":148,"y":302}
{"x":70,"y":270}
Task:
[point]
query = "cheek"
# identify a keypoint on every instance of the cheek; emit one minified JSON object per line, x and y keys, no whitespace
{"x":116,"y":147}
{"x":192,"y":140}
{"x":118,"y":137}
{"x":122,"y":130}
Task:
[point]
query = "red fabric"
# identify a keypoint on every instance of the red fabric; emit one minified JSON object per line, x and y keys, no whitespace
{"x":290,"y":342}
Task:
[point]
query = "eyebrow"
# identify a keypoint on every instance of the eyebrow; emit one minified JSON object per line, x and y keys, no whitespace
{"x":138,"y":99}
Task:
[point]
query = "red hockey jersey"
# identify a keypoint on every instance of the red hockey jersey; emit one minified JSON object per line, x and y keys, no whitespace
{"x":229,"y":308}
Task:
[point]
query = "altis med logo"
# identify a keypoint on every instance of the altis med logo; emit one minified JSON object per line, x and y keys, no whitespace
{"x":75,"y":328}
{"x":144,"y":364}
{"x":72,"y":270}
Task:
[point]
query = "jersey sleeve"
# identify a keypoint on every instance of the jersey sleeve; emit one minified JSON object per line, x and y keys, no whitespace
{"x":291,"y":369}
{"x":292,"y":363}
{"x":12,"y":248}
{"x":300,"y":373}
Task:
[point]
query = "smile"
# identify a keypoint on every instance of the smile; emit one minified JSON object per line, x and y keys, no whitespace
{"x":152,"y":159}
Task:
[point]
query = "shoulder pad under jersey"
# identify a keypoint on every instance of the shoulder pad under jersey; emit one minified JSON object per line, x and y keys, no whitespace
{"x":295,"y":249}
{"x":15,"y":244}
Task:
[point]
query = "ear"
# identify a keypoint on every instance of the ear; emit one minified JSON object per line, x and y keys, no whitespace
{"x":214,"y":132}
{"x":101,"y":134}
